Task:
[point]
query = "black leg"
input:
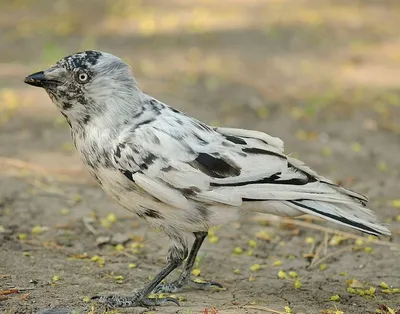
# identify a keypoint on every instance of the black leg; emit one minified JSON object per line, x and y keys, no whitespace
{"x":176,"y":255}
{"x":183,"y":279}
{"x":200,"y":237}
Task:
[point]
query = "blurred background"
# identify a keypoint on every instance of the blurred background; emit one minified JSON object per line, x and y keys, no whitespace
{"x":322,"y":75}
{"x":308,"y":70}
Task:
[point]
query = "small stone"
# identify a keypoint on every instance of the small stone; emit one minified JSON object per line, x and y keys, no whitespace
{"x":102,"y":240}
{"x":120,"y":238}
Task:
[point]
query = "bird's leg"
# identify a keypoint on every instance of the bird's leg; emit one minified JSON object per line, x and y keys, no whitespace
{"x":176,"y":255}
{"x":183,"y":279}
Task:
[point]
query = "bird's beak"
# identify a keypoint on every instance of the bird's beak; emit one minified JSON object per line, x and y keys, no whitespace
{"x":39,"y":79}
{"x":36,"y":79}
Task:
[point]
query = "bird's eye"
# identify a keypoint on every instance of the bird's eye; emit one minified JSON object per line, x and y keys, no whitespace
{"x":83,"y":77}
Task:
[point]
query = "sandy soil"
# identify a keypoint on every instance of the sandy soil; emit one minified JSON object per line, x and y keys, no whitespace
{"x":322,"y":76}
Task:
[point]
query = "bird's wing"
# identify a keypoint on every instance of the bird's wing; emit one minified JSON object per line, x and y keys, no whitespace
{"x":178,"y":160}
{"x":175,"y":158}
{"x":252,"y":137}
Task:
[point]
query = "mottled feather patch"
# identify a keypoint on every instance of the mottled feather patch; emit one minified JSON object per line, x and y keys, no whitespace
{"x":149,"y":159}
{"x":260,"y":151}
{"x":215,"y":167}
{"x":128,"y":174}
{"x":273,"y":179}
{"x":66,"y":105}
{"x":202,"y":126}
{"x":199,"y":139}
{"x":190,"y":191}
{"x":81,"y":60}
{"x":144,"y":122}
{"x":156,"y":106}
{"x":151,"y":213}
{"x":86,"y":119}
{"x":235,"y":139}
{"x":310,"y":178}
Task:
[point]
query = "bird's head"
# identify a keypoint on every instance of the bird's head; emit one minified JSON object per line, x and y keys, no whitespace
{"x":86,"y":83}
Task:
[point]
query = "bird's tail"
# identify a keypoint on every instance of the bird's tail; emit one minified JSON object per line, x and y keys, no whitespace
{"x":320,"y":197}
{"x":351,"y":211}
{"x":349,"y":214}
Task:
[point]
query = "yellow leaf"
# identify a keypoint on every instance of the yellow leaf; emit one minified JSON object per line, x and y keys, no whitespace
{"x":255,"y":267}
{"x":288,"y":309}
{"x":396,"y":203}
{"x":310,"y":240}
{"x":282,"y":274}
{"x":238,"y":250}
{"x":335,"y":298}
{"x":196,"y":272}
{"x":359,"y":242}
{"x":382,"y":166}
{"x":293,"y":274}
{"x":119,"y":248}
{"x":64,"y":211}
{"x":77,"y":198}
{"x":337,"y":239}
{"x":55,"y":278}
{"x":368,"y":249}
{"x":95,"y":258}
{"x":384,"y":285}
{"x":252,"y":243}
{"x":213,"y":239}
{"x":354,"y":283}
{"x":356,"y":147}
{"x":132,"y":265}
{"x":297,"y":284}
{"x":326,"y":151}
{"x":322,"y":266}
{"x":370,"y":291}
{"x":263,"y":235}
{"x":22,"y":236}
{"x":277,"y":263}
{"x":111,"y":218}
{"x":39,"y":229}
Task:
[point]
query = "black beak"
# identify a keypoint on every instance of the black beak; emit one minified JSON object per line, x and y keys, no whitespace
{"x":37,"y":79}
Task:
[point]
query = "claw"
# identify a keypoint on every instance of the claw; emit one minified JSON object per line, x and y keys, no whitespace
{"x":204,"y":285}
{"x":173,"y":300}
{"x":159,"y":301}
{"x":216,"y":284}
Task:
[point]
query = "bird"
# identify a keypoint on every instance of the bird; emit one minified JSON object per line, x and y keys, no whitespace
{"x":178,"y":173}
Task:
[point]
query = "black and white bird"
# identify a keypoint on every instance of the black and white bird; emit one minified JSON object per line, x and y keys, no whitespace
{"x":178,"y":173}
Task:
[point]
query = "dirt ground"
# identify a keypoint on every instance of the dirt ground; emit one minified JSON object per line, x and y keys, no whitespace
{"x":321,"y":75}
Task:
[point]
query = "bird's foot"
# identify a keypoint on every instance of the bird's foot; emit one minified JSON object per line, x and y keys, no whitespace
{"x":136,"y":300}
{"x":178,"y":285}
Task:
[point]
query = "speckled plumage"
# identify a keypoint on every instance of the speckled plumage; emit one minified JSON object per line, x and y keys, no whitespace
{"x":178,"y":173}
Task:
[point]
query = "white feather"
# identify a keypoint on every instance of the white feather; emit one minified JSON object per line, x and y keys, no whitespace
{"x":268,"y":139}
{"x":160,"y":191}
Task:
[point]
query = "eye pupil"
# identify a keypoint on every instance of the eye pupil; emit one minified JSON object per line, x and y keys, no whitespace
{"x":83,"y":77}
